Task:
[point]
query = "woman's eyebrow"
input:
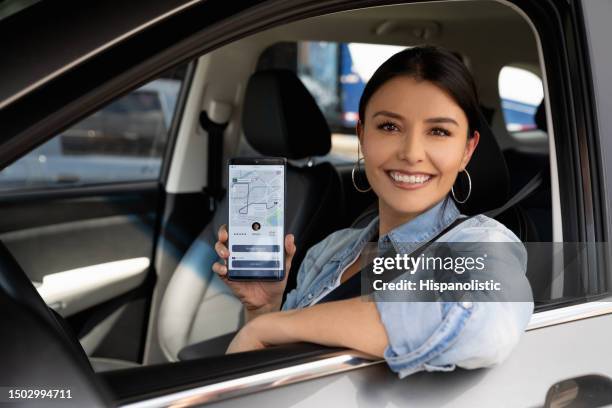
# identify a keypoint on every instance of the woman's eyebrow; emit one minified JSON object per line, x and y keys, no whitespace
{"x":388,"y":113}
{"x":441,"y":120}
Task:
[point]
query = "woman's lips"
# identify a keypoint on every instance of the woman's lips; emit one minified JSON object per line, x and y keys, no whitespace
{"x":410,"y":181}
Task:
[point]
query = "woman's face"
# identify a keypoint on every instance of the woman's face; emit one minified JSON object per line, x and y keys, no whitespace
{"x":414,"y":141}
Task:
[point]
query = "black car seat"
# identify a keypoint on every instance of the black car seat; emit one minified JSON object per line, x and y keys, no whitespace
{"x":491,"y":186}
{"x":538,"y":206}
{"x":280,"y":118}
{"x":524,"y":166}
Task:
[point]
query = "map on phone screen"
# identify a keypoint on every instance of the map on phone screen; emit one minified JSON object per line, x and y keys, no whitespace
{"x":256,"y":204}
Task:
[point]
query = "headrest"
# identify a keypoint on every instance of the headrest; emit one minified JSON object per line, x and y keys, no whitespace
{"x":540,"y":117}
{"x":489,"y":174}
{"x":281,"y":118}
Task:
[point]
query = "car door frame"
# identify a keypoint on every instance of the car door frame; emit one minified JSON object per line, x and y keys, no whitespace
{"x":573,"y":103}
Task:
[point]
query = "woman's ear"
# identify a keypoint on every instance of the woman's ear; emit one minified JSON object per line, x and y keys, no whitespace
{"x":469,"y":149}
{"x":359,"y":130}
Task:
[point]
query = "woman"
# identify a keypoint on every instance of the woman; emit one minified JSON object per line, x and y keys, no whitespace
{"x":417,"y":128}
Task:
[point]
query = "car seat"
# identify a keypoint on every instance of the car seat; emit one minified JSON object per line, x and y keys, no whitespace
{"x":491,"y":186}
{"x":524,"y":165}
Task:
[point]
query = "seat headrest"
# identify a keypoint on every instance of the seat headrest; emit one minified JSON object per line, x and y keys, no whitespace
{"x":281,"y":118}
{"x":540,"y":117}
{"x":489,"y":174}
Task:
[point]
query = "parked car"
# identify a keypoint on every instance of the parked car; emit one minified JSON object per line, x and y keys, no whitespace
{"x":123,"y":140}
{"x":105,"y":291}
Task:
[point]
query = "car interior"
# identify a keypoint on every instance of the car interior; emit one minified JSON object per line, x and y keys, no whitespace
{"x":197,"y":311}
{"x":254,"y":85}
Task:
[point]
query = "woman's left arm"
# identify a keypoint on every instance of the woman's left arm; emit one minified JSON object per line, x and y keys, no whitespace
{"x":411,"y":336}
{"x":352,"y":323}
{"x":414,"y":336}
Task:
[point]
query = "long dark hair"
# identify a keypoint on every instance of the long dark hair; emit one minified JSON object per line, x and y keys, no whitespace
{"x":433,"y":64}
{"x":438,"y":66}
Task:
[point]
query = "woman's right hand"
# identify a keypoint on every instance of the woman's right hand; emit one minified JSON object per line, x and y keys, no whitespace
{"x":257,"y":297}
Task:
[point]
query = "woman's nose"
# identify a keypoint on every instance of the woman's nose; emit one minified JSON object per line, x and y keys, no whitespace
{"x":412,"y":148}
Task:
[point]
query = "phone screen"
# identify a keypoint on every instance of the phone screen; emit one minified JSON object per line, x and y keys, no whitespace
{"x":256,"y":221}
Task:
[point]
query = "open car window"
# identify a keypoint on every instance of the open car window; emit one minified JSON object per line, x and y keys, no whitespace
{"x":332,"y":68}
{"x":124,"y":141}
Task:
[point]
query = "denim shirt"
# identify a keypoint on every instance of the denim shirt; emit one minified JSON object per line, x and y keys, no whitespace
{"x":431,"y":336}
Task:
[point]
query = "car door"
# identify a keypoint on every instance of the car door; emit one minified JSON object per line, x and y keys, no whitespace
{"x":81,"y":212}
{"x":568,"y":336}
{"x":568,"y":339}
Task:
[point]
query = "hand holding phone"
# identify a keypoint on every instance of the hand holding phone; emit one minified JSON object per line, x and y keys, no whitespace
{"x":256,"y":296}
{"x":256,"y":195}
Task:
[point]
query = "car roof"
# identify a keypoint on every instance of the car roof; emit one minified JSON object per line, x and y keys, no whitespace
{"x":48,"y":38}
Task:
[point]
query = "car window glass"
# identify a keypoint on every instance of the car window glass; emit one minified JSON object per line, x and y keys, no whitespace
{"x":521,"y":92}
{"x":123,"y":141}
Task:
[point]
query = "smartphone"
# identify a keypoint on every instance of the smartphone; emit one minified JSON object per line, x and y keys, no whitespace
{"x":256,"y":224}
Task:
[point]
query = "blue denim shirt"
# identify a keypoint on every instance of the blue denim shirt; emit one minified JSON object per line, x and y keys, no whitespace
{"x":432,"y":336}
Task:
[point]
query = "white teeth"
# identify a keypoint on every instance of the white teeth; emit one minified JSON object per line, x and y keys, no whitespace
{"x":404,"y":178}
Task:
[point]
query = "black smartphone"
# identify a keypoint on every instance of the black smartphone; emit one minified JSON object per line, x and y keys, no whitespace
{"x":256,"y":224}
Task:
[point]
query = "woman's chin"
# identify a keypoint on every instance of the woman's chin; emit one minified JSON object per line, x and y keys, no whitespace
{"x":408,"y":209}
{"x":409,"y":206}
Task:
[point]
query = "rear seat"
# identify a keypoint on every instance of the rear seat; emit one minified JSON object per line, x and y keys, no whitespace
{"x":523,"y":167}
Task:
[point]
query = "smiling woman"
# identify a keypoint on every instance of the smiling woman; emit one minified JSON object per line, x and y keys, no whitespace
{"x":54,"y":78}
{"x":418,"y":128}
{"x":421,"y":142}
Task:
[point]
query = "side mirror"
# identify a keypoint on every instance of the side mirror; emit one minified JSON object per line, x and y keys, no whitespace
{"x":586,"y":391}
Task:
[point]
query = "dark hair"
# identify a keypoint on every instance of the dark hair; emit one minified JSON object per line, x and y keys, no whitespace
{"x":433,"y":64}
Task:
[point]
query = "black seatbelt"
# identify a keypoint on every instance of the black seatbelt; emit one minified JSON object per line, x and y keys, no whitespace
{"x":215,"y":131}
{"x":520,"y":195}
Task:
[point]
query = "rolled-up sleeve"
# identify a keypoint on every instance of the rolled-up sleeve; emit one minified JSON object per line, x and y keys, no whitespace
{"x":420,"y":332}
{"x":440,"y":336}
{"x":294,"y":296}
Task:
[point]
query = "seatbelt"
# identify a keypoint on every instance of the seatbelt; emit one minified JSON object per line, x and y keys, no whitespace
{"x":520,"y":195}
{"x":215,"y":128}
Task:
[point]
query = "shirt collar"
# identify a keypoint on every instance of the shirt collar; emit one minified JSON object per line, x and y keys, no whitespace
{"x":365,"y":235}
{"x":403,"y":237}
{"x":425,"y":226}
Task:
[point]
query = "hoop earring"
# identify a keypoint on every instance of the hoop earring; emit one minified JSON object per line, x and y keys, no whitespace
{"x":469,"y":189}
{"x":358,"y":168}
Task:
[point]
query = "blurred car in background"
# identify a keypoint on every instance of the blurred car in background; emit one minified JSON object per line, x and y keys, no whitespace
{"x":122,"y":141}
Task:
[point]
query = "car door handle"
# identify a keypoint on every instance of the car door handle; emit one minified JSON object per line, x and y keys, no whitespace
{"x":587,"y":391}
{"x":77,"y":289}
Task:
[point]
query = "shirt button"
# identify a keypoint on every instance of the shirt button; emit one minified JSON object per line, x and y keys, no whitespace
{"x":467,"y":305}
{"x":310,"y":296}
